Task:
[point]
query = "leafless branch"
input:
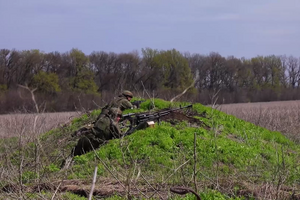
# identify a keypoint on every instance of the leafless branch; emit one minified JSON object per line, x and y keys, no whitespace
{"x":93,"y":184}
{"x":184,"y":91}
{"x":32,"y":95}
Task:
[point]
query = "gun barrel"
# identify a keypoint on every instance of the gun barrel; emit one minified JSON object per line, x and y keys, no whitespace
{"x":128,"y":115}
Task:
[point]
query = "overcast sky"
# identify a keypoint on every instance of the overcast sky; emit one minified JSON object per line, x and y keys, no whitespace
{"x":242,"y":28}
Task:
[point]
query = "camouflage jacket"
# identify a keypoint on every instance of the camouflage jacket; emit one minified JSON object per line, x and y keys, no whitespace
{"x":120,"y":102}
{"x":106,"y":129}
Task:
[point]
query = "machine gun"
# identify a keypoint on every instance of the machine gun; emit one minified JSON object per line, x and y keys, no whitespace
{"x":138,"y":120}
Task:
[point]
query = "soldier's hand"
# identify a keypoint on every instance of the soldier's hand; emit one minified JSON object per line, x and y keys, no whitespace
{"x":76,"y":134}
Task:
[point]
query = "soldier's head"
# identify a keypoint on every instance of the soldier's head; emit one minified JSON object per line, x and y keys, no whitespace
{"x":115,"y":113}
{"x":127,"y":94}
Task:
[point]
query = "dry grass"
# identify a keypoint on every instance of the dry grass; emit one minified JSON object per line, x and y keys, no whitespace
{"x":31,"y":124}
{"x":282,"y":116}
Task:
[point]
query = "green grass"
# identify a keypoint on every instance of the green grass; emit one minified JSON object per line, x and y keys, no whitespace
{"x":230,"y":148}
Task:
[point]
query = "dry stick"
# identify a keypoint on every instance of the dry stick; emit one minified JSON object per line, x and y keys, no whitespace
{"x":214,"y":101}
{"x":107,"y":167}
{"x":176,"y":170}
{"x":32,"y":95}
{"x":150,"y":186}
{"x":128,"y":180}
{"x":215,"y":98}
{"x":195,"y":161}
{"x":148,"y":94}
{"x":281,"y":178}
{"x":56,"y":191}
{"x":37,"y":156}
{"x":184,"y":190}
{"x":139,"y":173}
{"x":138,"y":188}
{"x":93,"y":185}
{"x":96,"y":104}
{"x":127,"y":174}
{"x":171,"y":175}
{"x":137,"y":92}
{"x":21,"y":159}
{"x":35,"y":119}
{"x":182,"y":92}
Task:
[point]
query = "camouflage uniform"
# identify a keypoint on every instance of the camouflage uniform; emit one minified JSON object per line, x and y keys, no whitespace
{"x":120,"y":102}
{"x":104,"y":129}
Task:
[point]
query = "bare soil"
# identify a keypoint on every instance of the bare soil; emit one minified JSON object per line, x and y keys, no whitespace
{"x":105,"y":187}
{"x":175,"y":117}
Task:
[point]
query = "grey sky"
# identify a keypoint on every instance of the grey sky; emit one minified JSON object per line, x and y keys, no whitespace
{"x":230,"y":27}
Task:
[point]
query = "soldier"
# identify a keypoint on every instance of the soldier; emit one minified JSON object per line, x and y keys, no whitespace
{"x":104,"y":129}
{"x":122,"y":102}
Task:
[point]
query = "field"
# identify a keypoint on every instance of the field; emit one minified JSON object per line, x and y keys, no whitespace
{"x":31,"y":124}
{"x":282,"y":116}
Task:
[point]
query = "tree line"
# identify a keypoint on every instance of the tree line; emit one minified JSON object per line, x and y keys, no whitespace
{"x":72,"y":80}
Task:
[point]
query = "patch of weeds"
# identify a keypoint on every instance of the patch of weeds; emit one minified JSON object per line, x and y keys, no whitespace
{"x":82,"y":160}
{"x":181,"y":124}
{"x":82,"y":171}
{"x":80,"y":119}
{"x":28,"y":176}
{"x":209,"y":195}
{"x":52,"y":168}
{"x":71,"y":196}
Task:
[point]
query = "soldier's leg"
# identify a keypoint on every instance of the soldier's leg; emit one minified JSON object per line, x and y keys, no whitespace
{"x":84,"y":145}
{"x":142,"y":125}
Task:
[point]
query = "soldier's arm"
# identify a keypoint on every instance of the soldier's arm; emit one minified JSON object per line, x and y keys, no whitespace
{"x":82,"y":131}
{"x":115,"y":129}
{"x":126,"y":104}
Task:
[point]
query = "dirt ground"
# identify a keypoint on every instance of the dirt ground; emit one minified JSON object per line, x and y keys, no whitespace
{"x":175,"y":117}
{"x":104,"y":187}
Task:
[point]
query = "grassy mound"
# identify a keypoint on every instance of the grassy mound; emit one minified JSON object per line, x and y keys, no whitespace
{"x":227,"y":158}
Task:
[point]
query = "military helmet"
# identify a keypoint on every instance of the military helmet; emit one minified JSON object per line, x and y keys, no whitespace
{"x":127,"y":93}
{"x":114,"y":112}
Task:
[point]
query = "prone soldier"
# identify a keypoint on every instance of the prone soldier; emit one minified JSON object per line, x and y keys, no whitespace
{"x":104,"y":129}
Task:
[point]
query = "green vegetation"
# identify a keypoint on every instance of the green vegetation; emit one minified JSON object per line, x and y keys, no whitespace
{"x":228,"y":150}
{"x":83,"y":77}
{"x":46,"y":82}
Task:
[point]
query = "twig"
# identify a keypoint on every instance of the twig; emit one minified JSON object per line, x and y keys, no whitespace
{"x":56,"y":191}
{"x":96,"y":104}
{"x":195,"y":160}
{"x":184,"y":91}
{"x":32,"y":95}
{"x":93,"y":185}
{"x":104,"y":164}
{"x":184,"y":190}
{"x":171,"y":175}
{"x":148,"y":94}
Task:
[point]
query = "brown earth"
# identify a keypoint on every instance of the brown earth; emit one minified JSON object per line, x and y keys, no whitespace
{"x":175,"y":117}
{"x":105,"y":187}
